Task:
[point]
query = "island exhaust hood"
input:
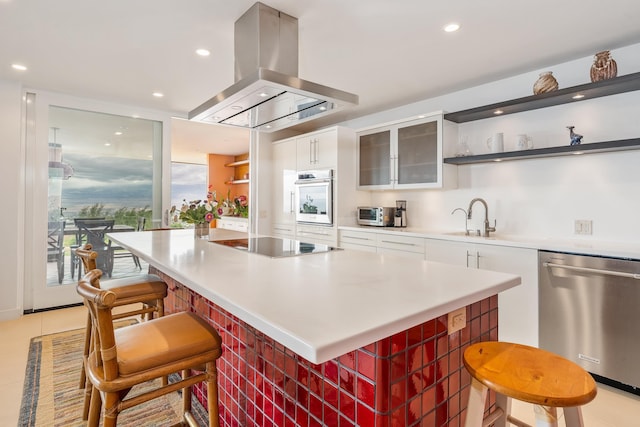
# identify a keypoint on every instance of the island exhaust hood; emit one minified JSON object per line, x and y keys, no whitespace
{"x":267,"y":94}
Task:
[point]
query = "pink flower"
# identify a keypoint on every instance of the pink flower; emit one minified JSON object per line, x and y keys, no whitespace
{"x":208,"y":217}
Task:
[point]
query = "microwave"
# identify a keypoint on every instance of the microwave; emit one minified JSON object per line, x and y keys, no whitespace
{"x":376,"y":216}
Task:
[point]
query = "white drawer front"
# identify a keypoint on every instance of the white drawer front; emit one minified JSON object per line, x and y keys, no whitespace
{"x":401,"y":243}
{"x":361,"y":238}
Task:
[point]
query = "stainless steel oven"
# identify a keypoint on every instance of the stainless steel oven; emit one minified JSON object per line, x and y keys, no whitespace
{"x":314,"y":197}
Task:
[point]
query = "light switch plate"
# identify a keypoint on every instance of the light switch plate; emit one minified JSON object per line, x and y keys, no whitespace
{"x":583,"y":226}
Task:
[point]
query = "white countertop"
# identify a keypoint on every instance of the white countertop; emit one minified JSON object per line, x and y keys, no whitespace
{"x":320,"y":306}
{"x":587,"y":245}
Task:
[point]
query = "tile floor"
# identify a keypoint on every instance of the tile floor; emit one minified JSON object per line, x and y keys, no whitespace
{"x":611,"y":408}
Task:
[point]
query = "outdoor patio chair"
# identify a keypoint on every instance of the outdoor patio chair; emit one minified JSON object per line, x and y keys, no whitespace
{"x":94,"y":232}
{"x":55,"y":246}
{"x":120,"y":252}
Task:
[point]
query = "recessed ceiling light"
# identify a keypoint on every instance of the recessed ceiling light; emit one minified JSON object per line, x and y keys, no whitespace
{"x":497,"y":160}
{"x":158,"y":94}
{"x":19,"y":67}
{"x":107,"y":144}
{"x":203,"y":52}
{"x":118,"y":133}
{"x":578,"y":96}
{"x":450,"y":28}
{"x":236,"y":107}
{"x":263,"y":95}
{"x":498,"y":112}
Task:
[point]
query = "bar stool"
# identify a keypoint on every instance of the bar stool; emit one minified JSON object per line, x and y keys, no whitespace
{"x":528,"y":374}
{"x":120,"y":359}
{"x":148,"y":289}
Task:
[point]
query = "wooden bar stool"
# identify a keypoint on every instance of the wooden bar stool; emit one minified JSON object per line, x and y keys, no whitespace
{"x":528,"y":374}
{"x":120,"y":359}
{"x":147,"y":289}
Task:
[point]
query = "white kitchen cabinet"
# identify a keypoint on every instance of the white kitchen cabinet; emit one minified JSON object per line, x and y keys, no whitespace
{"x":317,"y":150}
{"x":406,"y":155}
{"x":407,"y":246}
{"x":317,"y":234}
{"x":233,"y":223}
{"x":517,"y":307}
{"x":283,"y":183}
{"x":383,"y":243}
{"x":360,"y":240}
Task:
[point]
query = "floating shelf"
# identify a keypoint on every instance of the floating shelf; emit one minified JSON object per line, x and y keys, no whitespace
{"x":622,"y":84}
{"x":595,"y":147}
{"x":238,"y":163}
{"x":237,"y":181}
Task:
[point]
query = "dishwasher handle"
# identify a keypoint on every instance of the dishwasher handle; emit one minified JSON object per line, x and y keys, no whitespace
{"x":593,"y":270}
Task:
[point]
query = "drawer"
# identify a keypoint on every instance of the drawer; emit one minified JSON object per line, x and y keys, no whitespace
{"x":312,"y":233}
{"x":362,"y":238}
{"x":401,"y":243}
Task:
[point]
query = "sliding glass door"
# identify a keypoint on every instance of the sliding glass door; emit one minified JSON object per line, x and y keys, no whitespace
{"x":98,"y":165}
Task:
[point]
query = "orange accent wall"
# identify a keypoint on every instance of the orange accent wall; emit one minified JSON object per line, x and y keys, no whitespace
{"x":220,"y":175}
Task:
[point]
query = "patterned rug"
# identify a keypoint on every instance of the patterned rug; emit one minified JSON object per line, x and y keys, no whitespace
{"x":51,"y":396}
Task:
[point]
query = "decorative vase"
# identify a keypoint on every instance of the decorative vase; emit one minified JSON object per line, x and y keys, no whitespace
{"x":604,"y":67}
{"x":201,"y":231}
{"x":545,"y":83}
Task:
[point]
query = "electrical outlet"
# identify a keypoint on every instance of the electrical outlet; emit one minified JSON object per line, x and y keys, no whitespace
{"x":457,"y":320}
{"x":583,"y":226}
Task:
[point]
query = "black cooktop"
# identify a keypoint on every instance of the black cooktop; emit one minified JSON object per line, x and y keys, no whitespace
{"x":275,"y":247}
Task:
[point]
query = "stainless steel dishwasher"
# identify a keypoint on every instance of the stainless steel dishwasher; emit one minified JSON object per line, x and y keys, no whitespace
{"x":590,"y":314}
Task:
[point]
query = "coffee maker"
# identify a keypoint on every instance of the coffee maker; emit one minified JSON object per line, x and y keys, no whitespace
{"x":400,"y":219}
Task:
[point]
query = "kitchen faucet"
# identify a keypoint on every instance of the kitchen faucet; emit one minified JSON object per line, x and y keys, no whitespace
{"x":487,"y":228}
{"x":466,"y":229}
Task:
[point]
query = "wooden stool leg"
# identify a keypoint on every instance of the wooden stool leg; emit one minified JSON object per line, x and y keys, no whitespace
{"x":573,"y":416}
{"x":87,"y":344}
{"x":504,"y":403}
{"x":546,"y":416}
{"x":95,"y":408}
{"x":475,"y":407}
{"x":212,"y":394}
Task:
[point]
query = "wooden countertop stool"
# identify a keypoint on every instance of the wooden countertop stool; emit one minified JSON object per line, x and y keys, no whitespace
{"x":147,"y":289}
{"x":528,"y":374}
{"x":122,"y":358}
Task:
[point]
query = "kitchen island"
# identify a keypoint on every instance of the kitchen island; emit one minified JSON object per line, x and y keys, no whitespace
{"x":336,"y":338}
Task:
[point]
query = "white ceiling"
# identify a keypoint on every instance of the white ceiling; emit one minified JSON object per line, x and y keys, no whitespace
{"x":389,"y":53}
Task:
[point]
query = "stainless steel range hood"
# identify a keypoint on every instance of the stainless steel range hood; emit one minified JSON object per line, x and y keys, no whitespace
{"x":267,"y":94}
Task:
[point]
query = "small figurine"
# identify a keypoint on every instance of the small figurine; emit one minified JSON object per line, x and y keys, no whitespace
{"x":576,"y":139}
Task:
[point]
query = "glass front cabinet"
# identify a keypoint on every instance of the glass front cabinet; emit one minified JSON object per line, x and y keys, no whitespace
{"x":406,"y":154}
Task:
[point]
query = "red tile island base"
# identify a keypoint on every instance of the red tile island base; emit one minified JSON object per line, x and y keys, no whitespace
{"x":413,"y":378}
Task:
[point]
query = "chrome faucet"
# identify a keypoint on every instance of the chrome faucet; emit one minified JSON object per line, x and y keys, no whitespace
{"x":487,"y":227}
{"x":466,"y":229}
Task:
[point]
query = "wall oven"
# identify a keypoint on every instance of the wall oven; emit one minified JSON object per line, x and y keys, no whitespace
{"x":314,"y":197}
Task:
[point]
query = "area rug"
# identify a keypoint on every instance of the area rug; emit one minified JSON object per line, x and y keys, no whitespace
{"x":51,"y":396}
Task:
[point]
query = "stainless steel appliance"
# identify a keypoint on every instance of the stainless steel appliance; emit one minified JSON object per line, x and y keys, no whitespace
{"x":314,"y":197}
{"x":275,"y":247}
{"x":267,"y":94}
{"x":589,"y":314}
{"x":400,"y":219}
{"x":376,"y":216}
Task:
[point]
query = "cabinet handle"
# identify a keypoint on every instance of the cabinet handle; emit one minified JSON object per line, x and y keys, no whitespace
{"x":292,"y":202}
{"x":398,"y":243}
{"x":282,"y":229}
{"x":477,"y":256}
{"x":316,"y":146}
{"x":317,"y":233}
{"x":355,"y":238}
{"x":468,"y":255}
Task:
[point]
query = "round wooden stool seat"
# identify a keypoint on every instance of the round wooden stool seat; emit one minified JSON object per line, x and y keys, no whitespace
{"x":528,"y":374}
